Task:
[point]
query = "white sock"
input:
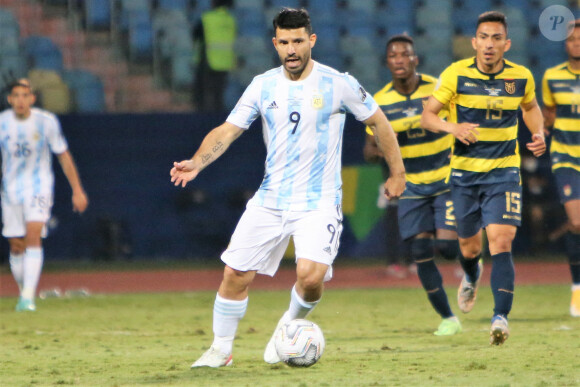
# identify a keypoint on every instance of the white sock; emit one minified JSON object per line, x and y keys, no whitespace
{"x":17,"y":268}
{"x":33,"y":258}
{"x":575,"y":287}
{"x":226,"y":316}
{"x":298,"y":307}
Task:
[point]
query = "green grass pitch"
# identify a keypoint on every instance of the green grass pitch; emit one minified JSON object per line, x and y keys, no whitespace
{"x":375,"y":337}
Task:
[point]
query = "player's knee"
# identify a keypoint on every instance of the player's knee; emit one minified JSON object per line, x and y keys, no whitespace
{"x":235,"y":280}
{"x":470,"y":247}
{"x":17,"y":250}
{"x":310,"y":275}
{"x":470,"y":251}
{"x":501,"y":243}
{"x":575,"y":225}
{"x":310,"y":282}
{"x":33,"y":241}
{"x":448,"y":248}
{"x":422,"y":249}
{"x":17,"y":246}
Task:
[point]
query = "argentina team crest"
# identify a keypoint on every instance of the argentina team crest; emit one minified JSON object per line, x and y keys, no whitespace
{"x":317,"y":100}
{"x":510,"y":86}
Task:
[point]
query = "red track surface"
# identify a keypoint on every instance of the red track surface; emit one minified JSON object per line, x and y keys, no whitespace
{"x":191,"y":280}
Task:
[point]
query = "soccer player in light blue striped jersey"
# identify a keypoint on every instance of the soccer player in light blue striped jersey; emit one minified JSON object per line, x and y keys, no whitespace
{"x":28,"y":137}
{"x":303,"y":105}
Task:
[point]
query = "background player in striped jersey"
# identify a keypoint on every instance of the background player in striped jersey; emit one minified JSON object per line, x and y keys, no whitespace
{"x":561,"y":95}
{"x":303,"y":105}
{"x":27,"y":137}
{"x":485,"y":93}
{"x":425,"y":210}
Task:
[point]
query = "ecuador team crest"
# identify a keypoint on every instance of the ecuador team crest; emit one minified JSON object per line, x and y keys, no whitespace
{"x":510,"y":86}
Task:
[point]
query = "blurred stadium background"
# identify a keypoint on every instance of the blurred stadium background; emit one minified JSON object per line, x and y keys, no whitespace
{"x":119,"y":75}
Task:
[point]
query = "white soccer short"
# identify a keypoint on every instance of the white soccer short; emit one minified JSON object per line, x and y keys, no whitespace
{"x":33,"y":208}
{"x":262,"y":235}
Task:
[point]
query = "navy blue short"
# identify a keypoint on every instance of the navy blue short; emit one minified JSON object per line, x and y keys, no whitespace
{"x":417,"y":215}
{"x":568,"y":181}
{"x":482,"y":204}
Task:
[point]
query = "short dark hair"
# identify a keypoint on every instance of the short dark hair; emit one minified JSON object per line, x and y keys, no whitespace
{"x":492,"y":17}
{"x":291,"y":18}
{"x":404,"y":38}
{"x":19,"y":83}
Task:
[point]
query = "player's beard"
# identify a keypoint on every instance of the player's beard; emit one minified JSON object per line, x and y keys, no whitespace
{"x":491,"y":61}
{"x":297,"y":70}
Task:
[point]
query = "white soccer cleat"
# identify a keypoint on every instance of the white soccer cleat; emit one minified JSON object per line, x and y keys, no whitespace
{"x":214,"y":358}
{"x":270,"y":354}
{"x":499,"y":331}
{"x":467,"y":292}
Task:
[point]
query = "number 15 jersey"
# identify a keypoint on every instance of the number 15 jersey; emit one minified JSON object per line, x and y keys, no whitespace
{"x":303,"y":124}
{"x":492,"y":101}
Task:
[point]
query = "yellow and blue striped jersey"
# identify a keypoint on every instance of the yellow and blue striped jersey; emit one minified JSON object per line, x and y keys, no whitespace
{"x":492,"y":101}
{"x":561,"y":88}
{"x":425,"y":154}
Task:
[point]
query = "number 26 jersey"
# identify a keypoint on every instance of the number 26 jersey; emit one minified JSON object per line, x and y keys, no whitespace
{"x":27,"y":146}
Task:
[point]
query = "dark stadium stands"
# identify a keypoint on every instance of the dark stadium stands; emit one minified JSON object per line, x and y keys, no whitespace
{"x":158,"y":33}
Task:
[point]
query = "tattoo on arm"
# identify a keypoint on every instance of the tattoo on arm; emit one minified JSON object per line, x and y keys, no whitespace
{"x":208,"y":157}
{"x":218,"y":146}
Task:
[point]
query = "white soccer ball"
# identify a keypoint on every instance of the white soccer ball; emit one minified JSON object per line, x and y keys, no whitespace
{"x":299,"y":343}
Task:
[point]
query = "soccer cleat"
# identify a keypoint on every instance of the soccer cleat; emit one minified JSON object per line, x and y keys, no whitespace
{"x":448,"y":327}
{"x":214,"y":358}
{"x":25,"y":305}
{"x":575,"y":303}
{"x":467,"y":292}
{"x":270,"y":354}
{"x":499,"y":331}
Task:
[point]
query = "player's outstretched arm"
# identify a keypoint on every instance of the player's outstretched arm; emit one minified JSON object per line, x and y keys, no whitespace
{"x":387,"y":142}
{"x":535,"y":122}
{"x":80,"y":200}
{"x":212,"y":147}
{"x":465,"y":132}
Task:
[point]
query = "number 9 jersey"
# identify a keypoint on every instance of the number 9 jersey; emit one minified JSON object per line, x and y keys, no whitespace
{"x":303,"y":124}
